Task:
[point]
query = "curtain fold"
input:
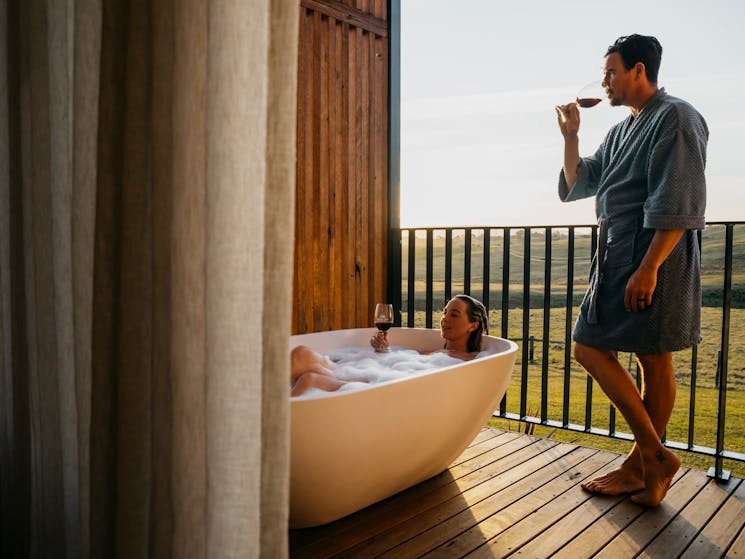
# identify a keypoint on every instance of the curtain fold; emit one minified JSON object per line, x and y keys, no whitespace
{"x":146,"y":242}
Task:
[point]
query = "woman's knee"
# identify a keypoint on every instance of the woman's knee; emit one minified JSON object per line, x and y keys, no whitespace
{"x":302,"y":359}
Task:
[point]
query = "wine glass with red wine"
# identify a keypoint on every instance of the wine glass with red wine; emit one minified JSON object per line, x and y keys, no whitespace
{"x":383,"y":321}
{"x":591,"y":94}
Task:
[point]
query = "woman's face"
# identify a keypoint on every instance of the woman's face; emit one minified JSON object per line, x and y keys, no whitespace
{"x":455,"y":325}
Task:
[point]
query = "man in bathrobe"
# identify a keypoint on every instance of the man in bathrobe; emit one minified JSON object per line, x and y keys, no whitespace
{"x":645,"y":293}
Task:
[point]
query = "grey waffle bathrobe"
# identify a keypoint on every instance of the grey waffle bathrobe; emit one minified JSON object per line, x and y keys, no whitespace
{"x":648,"y":174}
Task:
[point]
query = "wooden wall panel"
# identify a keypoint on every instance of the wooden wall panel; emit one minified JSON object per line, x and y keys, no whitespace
{"x":341,"y":233}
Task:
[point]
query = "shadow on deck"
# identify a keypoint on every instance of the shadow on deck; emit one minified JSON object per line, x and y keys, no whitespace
{"x":511,"y":494}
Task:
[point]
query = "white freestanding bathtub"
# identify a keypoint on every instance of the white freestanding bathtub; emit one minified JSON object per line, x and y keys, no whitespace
{"x":352,"y":449}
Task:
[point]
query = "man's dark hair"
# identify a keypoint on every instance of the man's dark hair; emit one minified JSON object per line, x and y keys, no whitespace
{"x":639,"y":48}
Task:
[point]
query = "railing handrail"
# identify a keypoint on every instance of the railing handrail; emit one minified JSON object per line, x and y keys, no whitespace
{"x":542,"y":226}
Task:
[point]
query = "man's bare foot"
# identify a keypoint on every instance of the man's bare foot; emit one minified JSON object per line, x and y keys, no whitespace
{"x":626,"y":479}
{"x":658,"y":473}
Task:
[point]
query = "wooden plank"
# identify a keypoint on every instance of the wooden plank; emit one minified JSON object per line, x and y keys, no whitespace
{"x":483,"y":445}
{"x":524,"y":520}
{"x":349,"y":14}
{"x":721,"y":529}
{"x":365,"y":306}
{"x":336,"y":212}
{"x":377,"y":230}
{"x":352,"y":216}
{"x":485,"y":434}
{"x":383,"y":516}
{"x":379,"y":73}
{"x":381,"y":9}
{"x":605,"y":528}
{"x":321,"y":216}
{"x":682,"y":530}
{"x":635,"y":537}
{"x":570,"y":524}
{"x":303,"y":250}
{"x":313,"y":189}
{"x":439,"y":524}
{"x":299,"y":176}
{"x":737,"y":549}
{"x":501,"y":457}
{"x":346,"y":219}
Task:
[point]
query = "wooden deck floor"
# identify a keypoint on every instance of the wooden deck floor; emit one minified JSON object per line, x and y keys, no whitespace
{"x":515,"y":495}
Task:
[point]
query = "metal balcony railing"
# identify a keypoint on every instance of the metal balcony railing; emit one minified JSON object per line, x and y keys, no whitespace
{"x":532,"y":280}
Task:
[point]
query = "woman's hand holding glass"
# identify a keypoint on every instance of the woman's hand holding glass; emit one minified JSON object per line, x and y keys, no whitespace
{"x":379,"y":342}
{"x":383,"y":317}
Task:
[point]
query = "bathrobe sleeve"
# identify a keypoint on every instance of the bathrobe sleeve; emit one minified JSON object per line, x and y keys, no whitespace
{"x":676,"y":188}
{"x":588,"y":177}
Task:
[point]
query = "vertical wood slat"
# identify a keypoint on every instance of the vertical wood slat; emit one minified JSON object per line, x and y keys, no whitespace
{"x":352,"y":254}
{"x":321,"y":181}
{"x":341,"y":234}
{"x":361,"y":184}
{"x":313,"y":188}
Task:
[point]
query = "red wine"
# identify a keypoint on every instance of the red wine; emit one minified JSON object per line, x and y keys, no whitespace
{"x":587,"y":102}
{"x":383,"y":326}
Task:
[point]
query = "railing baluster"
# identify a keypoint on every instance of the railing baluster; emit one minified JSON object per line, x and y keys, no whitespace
{"x":505,"y":296}
{"x":428,"y":286}
{"x":588,"y":378}
{"x":526,"y":322}
{"x":568,"y":326}
{"x":694,"y":370}
{"x":692,"y":396}
{"x":467,"y":262}
{"x":448,"y":264}
{"x":505,"y":280}
{"x":411,"y":279}
{"x":548,"y":240}
{"x":486,"y":268}
{"x":717,"y":471}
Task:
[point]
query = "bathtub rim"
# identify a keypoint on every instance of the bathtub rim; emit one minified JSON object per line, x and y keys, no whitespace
{"x":511,"y":347}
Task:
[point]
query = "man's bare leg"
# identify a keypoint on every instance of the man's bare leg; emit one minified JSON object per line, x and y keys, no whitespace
{"x":658,"y":463}
{"x":658,"y":394}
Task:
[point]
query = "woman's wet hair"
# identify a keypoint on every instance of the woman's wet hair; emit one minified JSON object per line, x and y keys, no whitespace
{"x":476,"y":313}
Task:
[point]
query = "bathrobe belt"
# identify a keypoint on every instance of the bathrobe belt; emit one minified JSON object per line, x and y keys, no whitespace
{"x":592,"y":309}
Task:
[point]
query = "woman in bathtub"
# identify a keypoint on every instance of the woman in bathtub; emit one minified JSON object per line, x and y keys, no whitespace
{"x":464,"y":321}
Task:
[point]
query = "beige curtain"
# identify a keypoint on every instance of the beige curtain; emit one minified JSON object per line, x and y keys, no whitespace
{"x":147,"y":167}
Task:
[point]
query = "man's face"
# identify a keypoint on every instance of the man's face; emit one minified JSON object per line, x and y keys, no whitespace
{"x":617,"y":79}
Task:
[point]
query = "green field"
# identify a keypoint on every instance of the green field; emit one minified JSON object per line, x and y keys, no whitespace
{"x":705,"y":393}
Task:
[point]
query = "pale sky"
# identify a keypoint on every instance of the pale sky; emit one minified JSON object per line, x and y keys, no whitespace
{"x":479,"y":80}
